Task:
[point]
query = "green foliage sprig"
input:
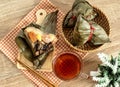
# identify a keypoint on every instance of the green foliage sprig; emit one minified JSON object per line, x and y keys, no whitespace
{"x":108,"y":73}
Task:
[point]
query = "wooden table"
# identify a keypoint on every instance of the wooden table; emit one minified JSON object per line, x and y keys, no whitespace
{"x":12,"y":11}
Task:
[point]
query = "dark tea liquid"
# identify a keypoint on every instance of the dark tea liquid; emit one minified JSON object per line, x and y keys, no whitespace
{"x":67,"y":66}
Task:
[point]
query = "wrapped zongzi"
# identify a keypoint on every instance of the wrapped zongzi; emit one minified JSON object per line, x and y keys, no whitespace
{"x":88,"y":31}
{"x":80,"y":7}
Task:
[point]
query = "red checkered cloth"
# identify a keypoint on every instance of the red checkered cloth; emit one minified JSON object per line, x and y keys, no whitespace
{"x":10,"y":49}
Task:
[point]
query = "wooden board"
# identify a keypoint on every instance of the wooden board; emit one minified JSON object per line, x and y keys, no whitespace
{"x":47,"y":66}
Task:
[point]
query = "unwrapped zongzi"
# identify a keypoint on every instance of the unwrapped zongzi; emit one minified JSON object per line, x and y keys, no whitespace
{"x":36,"y":41}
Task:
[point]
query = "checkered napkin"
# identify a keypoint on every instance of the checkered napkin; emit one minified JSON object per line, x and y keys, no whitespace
{"x":9,"y":48}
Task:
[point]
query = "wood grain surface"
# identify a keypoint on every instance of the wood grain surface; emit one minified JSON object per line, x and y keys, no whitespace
{"x":12,"y":11}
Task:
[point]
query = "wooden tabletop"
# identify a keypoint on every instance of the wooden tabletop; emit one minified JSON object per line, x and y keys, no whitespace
{"x":12,"y":11}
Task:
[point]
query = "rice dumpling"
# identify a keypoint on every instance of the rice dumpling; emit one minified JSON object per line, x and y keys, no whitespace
{"x":39,"y":39}
{"x":80,"y":7}
{"x":85,"y":31}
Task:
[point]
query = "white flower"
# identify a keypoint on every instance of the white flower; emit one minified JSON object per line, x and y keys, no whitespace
{"x":94,"y":73}
{"x":116,"y":84}
{"x":103,"y":57}
{"x":115,"y":67}
{"x":104,"y":79}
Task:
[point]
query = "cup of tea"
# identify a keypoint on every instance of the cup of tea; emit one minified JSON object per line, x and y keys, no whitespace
{"x":68,"y":65}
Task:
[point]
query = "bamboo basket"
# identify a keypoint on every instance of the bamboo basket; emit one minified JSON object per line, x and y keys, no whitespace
{"x":100,"y":19}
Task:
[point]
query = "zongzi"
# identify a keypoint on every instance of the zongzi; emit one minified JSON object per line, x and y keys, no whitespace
{"x":80,"y":7}
{"x":85,"y":31}
{"x":39,"y":39}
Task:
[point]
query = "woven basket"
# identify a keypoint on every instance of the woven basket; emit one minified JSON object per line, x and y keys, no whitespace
{"x":100,"y":19}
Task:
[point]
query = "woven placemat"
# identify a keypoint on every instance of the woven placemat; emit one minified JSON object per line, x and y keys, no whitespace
{"x":10,"y":49}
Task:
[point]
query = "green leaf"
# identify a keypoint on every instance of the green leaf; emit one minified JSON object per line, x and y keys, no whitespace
{"x":109,"y":79}
{"x":112,"y":60}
